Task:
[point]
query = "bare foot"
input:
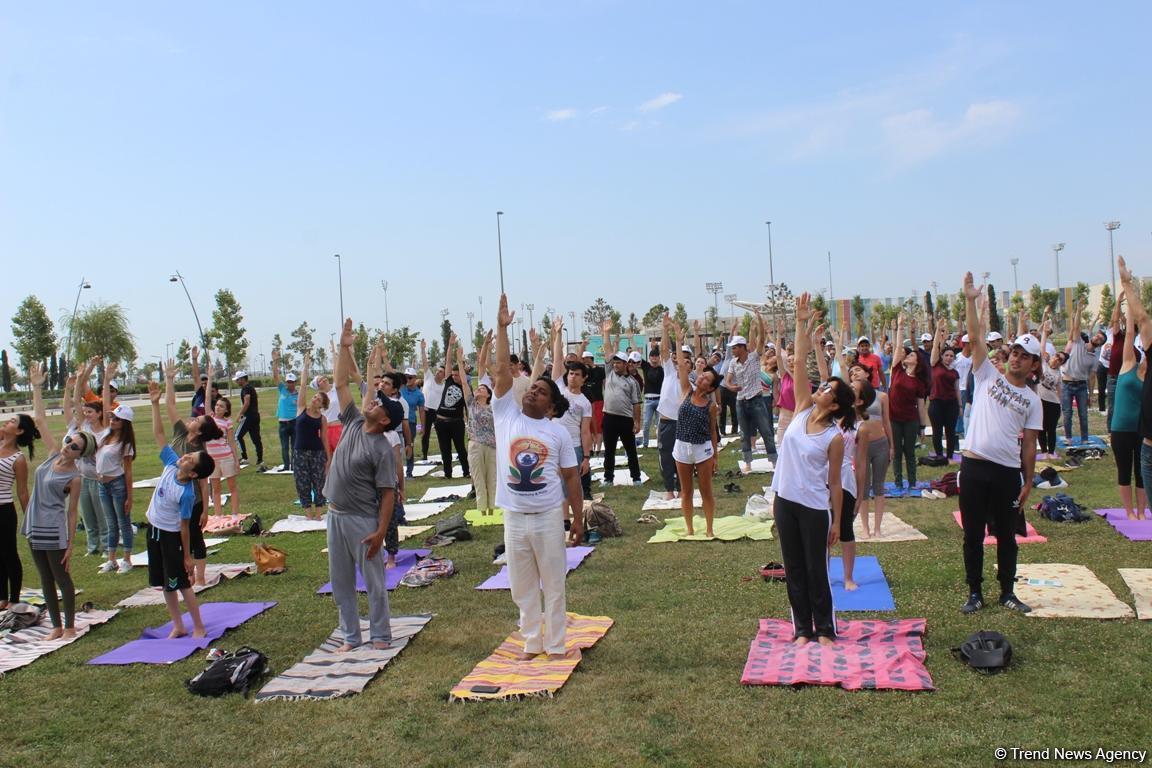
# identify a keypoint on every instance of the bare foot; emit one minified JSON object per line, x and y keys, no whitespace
{"x":3,"y":605}
{"x":801,"y":641}
{"x":827,"y":642}
{"x":199,"y":584}
{"x":382,"y":645}
{"x":199,"y":632}
{"x":524,"y":655}
{"x":55,"y":634}
{"x":865,"y":533}
{"x":876,"y":533}
{"x":391,"y":562}
{"x":690,"y":532}
{"x":176,"y":632}
{"x":557,"y":656}
{"x":850,"y":585}
{"x":709,"y":534}
{"x":345,"y":648}
{"x":68,"y":634}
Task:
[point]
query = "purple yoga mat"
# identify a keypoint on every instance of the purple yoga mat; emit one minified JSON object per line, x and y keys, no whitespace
{"x":574,"y":556}
{"x":154,"y":647}
{"x":1133,"y":530}
{"x":405,"y":559}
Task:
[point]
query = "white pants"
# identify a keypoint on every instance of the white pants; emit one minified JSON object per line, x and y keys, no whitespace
{"x":534,"y":547}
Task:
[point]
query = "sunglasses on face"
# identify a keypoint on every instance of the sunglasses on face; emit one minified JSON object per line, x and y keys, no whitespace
{"x":73,"y":444}
{"x":825,"y":387}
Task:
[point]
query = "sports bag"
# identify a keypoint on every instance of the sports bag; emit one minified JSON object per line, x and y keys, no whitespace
{"x":946,"y":484}
{"x":599,"y":517}
{"x":985,"y":651}
{"x":232,"y":672}
{"x":1062,"y":508}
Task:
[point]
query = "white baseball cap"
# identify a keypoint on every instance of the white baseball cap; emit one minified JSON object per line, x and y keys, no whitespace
{"x":864,"y":340}
{"x":688,"y":349}
{"x":123,"y":412}
{"x":1029,"y":344}
{"x":964,"y":339}
{"x":621,"y":357}
{"x":240,"y":375}
{"x":635,"y":357}
{"x":995,"y":336}
{"x":409,"y":371}
{"x":830,"y":343}
{"x":738,"y":340}
{"x":290,"y":377}
{"x":588,"y":354}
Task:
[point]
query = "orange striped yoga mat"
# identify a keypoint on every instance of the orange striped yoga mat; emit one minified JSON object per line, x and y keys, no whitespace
{"x":535,"y":677}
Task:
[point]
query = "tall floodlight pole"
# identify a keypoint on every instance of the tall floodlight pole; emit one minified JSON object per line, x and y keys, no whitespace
{"x":1112,"y":226}
{"x":72,"y":320}
{"x":1015,"y":277}
{"x":384,"y":285}
{"x":771,"y":274}
{"x":829,"y":276}
{"x":531,"y":318}
{"x":730,"y":298}
{"x":500,"y":249}
{"x":471,"y":333}
{"x":481,"y":298}
{"x":179,"y":278}
{"x":715,"y":289}
{"x":1056,"y":248}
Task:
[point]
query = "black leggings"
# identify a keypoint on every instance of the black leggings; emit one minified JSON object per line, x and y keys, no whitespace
{"x":943,"y":415}
{"x":904,"y":434}
{"x":449,"y":433}
{"x":251,"y":428}
{"x":11,"y":570}
{"x":426,"y":435}
{"x":49,"y":562}
{"x":804,"y":550}
{"x":1051,"y":423}
{"x":847,"y":517}
{"x":619,"y":429}
{"x":989,"y":496}
{"x":1126,"y":447}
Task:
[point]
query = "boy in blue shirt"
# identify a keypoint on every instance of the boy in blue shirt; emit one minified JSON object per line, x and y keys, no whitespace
{"x":169,"y":515}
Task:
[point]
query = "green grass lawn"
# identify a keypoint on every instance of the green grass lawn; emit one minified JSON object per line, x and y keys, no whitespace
{"x":662,"y":688}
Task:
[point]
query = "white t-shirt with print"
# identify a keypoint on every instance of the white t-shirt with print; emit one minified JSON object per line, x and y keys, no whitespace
{"x":433,"y":392}
{"x":962,"y":365}
{"x":579,"y":408}
{"x":999,"y":411}
{"x":529,"y":456}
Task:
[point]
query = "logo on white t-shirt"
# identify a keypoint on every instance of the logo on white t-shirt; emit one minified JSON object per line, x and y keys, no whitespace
{"x":527,"y":456}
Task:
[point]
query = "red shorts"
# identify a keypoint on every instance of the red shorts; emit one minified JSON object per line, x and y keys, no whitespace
{"x":597,"y":417}
{"x":334,"y":432}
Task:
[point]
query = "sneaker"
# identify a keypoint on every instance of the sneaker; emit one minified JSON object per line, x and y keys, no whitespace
{"x":975,"y":603}
{"x":243,"y":463}
{"x":605,"y":483}
{"x":125,"y":567}
{"x":262,"y":468}
{"x":637,"y":483}
{"x":1012,"y":603}
{"x":108,"y":566}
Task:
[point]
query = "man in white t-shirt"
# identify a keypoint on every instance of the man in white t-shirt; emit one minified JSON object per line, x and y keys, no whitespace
{"x":963,"y":366}
{"x":996,"y":470}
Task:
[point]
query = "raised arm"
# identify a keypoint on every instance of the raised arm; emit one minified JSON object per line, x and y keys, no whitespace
{"x":898,"y":351}
{"x":755,"y":335}
{"x":36,"y":379}
{"x":683,"y":366}
{"x":462,"y":373}
{"x":501,"y":372}
{"x":804,"y":323}
{"x":275,"y":367}
{"x":821,"y":360}
{"x":667,"y":345}
{"x":537,"y":354}
{"x":1130,"y":331}
{"x":976,"y":341}
{"x":373,"y":371}
{"x":157,"y":419}
{"x":1135,"y":303}
{"x":423,"y":358}
{"x":344,"y":363}
{"x":938,"y":342}
{"x":606,"y":344}
{"x":558,"y":351}
{"x":66,"y":405}
{"x":483,"y":357}
{"x":106,"y":394}
{"x":1045,"y":330}
{"x":170,"y":392}
{"x":302,"y":395}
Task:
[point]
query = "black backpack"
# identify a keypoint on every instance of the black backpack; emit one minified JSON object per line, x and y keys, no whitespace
{"x":986,"y":651}
{"x":1062,"y":508}
{"x":254,"y":527}
{"x":234,"y":671}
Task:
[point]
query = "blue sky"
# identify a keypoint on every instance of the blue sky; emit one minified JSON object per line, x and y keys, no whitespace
{"x":637,"y":148}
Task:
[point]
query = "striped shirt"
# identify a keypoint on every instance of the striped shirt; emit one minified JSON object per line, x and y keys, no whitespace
{"x":8,"y":476}
{"x":746,"y":375}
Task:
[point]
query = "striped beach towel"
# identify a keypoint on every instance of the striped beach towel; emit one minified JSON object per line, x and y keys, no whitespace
{"x":325,"y":674}
{"x":534,"y":677}
{"x":19,"y":649}
{"x":213,"y":575}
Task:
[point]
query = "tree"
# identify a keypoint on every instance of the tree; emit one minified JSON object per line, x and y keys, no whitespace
{"x":101,"y":330}
{"x":1016,"y":308}
{"x":596,"y":314}
{"x":1039,"y":300}
{"x":943,"y":306}
{"x":653,"y":315}
{"x":633,"y":323}
{"x":710,"y":320}
{"x":929,"y":309}
{"x":400,"y":345}
{"x":545,"y":327}
{"x":302,"y":344}
{"x":149,"y":370}
{"x":681,"y":314}
{"x":62,"y":369}
{"x":478,"y":336}
{"x":33,"y":336}
{"x":434,"y":354}
{"x":858,"y":310}
{"x":5,"y":372}
{"x":820,"y":304}
{"x":52,"y":373}
{"x":993,"y":313}
{"x":184,"y":358}
{"x":1083,"y":293}
{"x":320,"y":358}
{"x":278,"y":349}
{"x":360,"y":347}
{"x":1146,"y":293}
{"x":746,"y":325}
{"x":227,"y":330}
{"x":446,"y":331}
{"x":1107,"y":303}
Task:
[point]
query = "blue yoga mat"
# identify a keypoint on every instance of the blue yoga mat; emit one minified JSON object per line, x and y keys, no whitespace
{"x":1094,"y":441}
{"x":873,"y":593}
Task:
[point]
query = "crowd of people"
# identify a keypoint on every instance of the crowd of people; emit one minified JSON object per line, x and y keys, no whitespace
{"x":832,"y":416}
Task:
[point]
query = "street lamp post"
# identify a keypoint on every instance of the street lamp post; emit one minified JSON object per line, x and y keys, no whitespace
{"x":481,"y":298}
{"x":340,"y":279}
{"x":771,"y":274}
{"x":531,"y":317}
{"x":72,"y":320}
{"x":830,"y":277}
{"x":1056,"y":248}
{"x":179,"y":278}
{"x":471,"y":333}
{"x":714,"y":289}
{"x":384,"y":285}
{"x":1015,"y":277}
{"x":730,"y":298}
{"x":500,"y":249}
{"x":168,"y":350}
{"x":1112,"y":226}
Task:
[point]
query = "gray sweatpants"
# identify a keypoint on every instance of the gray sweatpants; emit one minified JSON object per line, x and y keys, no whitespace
{"x":346,"y":554}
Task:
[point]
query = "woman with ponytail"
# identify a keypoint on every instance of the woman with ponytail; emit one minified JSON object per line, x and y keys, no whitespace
{"x":16,"y":433}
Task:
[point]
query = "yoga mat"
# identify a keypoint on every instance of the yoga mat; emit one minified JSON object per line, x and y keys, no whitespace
{"x":537,"y":676}
{"x":223,"y":500}
{"x":573,"y":555}
{"x":277,"y":471}
{"x":219,"y":523}
{"x":325,"y":674}
{"x":423,"y":470}
{"x":1133,"y":530}
{"x":150,"y":482}
{"x":154,"y":647}
{"x":476,"y":517}
{"x":892,"y":528}
{"x":1139,"y":580}
{"x":989,"y":540}
{"x":427,"y":463}
{"x":868,"y":655}
{"x":444,"y":491}
{"x":597,"y":462}
{"x":728,"y":528}
{"x":419,"y":511}
{"x":656,"y":501}
{"x":299,"y":524}
{"x":213,"y":575}
{"x":1094,"y":441}
{"x":21,"y":648}
{"x":762,"y":466}
{"x":873,"y":593}
{"x":140,"y":559}
{"x":1080,"y":596}
{"x":33,"y":596}
{"x":405,"y":559}
{"x":890,"y":491}
{"x":622,"y":478}
{"x":403,"y":532}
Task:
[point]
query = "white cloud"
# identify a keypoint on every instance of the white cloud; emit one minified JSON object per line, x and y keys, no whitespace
{"x":597,"y":110}
{"x":663,"y":100}
{"x":918,"y":134}
{"x":631,"y":125}
{"x":560,"y":115}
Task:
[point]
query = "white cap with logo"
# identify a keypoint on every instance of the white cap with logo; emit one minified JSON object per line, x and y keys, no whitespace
{"x":737,"y":341}
{"x":1029,"y":344}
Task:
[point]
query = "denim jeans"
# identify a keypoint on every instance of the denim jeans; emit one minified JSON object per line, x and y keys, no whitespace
{"x":650,"y":416}
{"x":112,"y":496}
{"x":665,"y":440}
{"x":287,"y":439}
{"x":92,"y":513}
{"x":1078,"y":390}
{"x":755,"y":417}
